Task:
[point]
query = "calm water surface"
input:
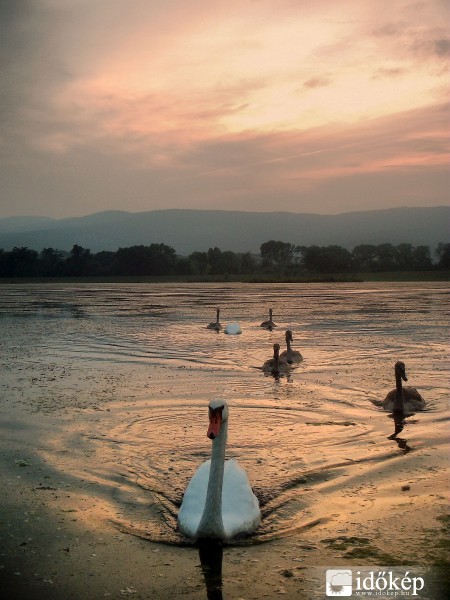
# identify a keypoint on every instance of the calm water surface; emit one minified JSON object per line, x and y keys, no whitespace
{"x":146,"y":351}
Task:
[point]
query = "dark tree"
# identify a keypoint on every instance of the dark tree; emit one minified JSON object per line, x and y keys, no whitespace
{"x":326,"y":259}
{"x":386,"y":257}
{"x":183,"y":266}
{"x":364,"y":257}
{"x":78,"y":261}
{"x":277,"y":254}
{"x":162,"y":258}
{"x":20,"y":262}
{"x":51,"y":263}
{"x":404,"y":257}
{"x":247,"y":264}
{"x":156,"y":259}
{"x":230,"y":262}
{"x":215,"y":261}
{"x":443,"y":254}
{"x":421,"y":259}
{"x":199,"y":263}
{"x":102,"y":263}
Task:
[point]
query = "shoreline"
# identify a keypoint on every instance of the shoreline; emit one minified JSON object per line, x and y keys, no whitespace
{"x":381,"y":277}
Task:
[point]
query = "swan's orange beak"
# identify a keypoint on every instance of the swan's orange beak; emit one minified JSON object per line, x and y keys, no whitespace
{"x":215,"y":421}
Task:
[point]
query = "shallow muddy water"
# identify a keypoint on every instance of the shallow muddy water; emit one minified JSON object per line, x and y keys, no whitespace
{"x":129,"y":369}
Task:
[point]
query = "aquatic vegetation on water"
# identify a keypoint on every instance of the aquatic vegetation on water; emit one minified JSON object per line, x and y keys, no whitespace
{"x":362,"y":548}
{"x":343,"y":423}
{"x":438,"y":542}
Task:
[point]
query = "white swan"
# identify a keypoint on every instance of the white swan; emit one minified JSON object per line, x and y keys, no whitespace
{"x":268,"y":324}
{"x":233,"y":329}
{"x":291,"y":356}
{"x":276,"y":364}
{"x":218,"y":502}
{"x":215,"y":325}
{"x":402,"y":398}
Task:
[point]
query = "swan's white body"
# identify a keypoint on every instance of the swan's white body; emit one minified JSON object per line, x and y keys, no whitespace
{"x":403,"y":398}
{"x":219,"y":502}
{"x":290,"y":355}
{"x":233,"y":329}
{"x":240,"y":509}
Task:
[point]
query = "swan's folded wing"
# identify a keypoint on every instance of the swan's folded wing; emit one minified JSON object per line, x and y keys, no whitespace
{"x":194,"y":498}
{"x":411,"y":394}
{"x":388,"y":402}
{"x":240,"y":507}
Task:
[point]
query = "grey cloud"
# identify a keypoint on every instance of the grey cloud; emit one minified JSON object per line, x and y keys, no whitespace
{"x":317,"y":82}
{"x":442,"y":47}
{"x":30,"y":64}
{"x":15,"y":45}
{"x":389,"y":29}
{"x":430,"y":44}
{"x":389,"y":72}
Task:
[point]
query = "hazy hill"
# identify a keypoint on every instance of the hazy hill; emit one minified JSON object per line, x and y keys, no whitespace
{"x":19,"y":224}
{"x":189,"y":230}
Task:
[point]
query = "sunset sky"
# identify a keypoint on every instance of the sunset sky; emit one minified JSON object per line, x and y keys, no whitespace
{"x":321,"y":106}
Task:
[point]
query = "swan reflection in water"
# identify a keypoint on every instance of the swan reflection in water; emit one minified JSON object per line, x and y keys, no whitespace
{"x":399,"y":424}
{"x":278,"y":375}
{"x":211,"y":556}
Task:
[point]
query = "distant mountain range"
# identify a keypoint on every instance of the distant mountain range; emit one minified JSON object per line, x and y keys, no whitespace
{"x":190,"y":230}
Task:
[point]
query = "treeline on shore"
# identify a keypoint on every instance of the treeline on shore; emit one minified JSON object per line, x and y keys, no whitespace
{"x":276,"y":257}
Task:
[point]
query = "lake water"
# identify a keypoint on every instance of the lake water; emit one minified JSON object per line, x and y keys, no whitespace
{"x":128,"y":371}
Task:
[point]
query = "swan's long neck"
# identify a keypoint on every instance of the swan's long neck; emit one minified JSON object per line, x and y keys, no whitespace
{"x":288,"y":344}
{"x":276,"y":361}
{"x":211,"y":523}
{"x":398,"y":402}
